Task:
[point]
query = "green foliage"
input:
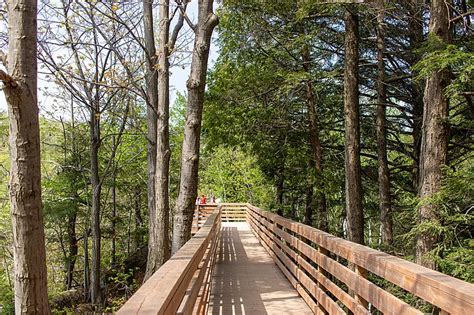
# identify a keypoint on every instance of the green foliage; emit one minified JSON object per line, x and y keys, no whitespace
{"x":6,"y":290}
{"x":6,"y":295}
{"x":457,"y":59}
{"x":177,"y":119}
{"x":454,"y":253}
{"x":121,"y":282}
{"x":456,"y":201}
{"x":233,"y":175}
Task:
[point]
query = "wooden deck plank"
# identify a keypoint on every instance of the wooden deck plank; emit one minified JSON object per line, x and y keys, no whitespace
{"x":246,"y":279}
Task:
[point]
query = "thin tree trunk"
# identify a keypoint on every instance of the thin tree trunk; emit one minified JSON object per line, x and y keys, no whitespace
{"x":152,"y":100}
{"x":355,"y":215}
{"x":87,"y":286}
{"x":383,"y":171}
{"x":308,"y":213}
{"x":113,"y":223}
{"x":196,"y":83}
{"x":138,"y":218}
{"x":415,"y":31}
{"x":279,"y":191}
{"x":73,"y":249}
{"x":29,"y":254}
{"x":434,"y":142}
{"x":96,"y":187}
{"x":72,"y":217}
{"x":315,"y":145}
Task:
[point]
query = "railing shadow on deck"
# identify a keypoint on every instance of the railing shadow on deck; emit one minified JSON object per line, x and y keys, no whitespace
{"x":332,"y":275}
{"x":230,"y":289}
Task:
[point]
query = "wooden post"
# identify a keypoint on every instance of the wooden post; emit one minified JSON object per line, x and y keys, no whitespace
{"x":322,"y":251}
{"x":363,"y":273}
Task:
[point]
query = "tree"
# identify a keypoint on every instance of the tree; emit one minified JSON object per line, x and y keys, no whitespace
{"x":152,"y":119}
{"x":30,"y":280}
{"x":434,"y":140}
{"x":196,"y":84}
{"x":383,"y":171}
{"x":355,"y":215}
{"x":90,"y":74}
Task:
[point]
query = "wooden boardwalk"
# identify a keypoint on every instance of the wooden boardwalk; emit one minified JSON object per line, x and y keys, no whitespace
{"x":245,"y":260}
{"x":247,"y":280}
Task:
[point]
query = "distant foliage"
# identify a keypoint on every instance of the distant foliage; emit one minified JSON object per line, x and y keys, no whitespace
{"x":233,"y":176}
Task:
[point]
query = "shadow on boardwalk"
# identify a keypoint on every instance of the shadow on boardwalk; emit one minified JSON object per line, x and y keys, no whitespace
{"x":247,"y":281}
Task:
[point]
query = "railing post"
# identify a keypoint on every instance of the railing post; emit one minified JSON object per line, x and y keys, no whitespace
{"x":362,"y":273}
{"x":323,"y":272}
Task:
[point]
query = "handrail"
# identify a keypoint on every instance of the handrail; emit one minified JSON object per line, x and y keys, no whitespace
{"x":182,"y":284}
{"x":231,"y":212}
{"x":324,"y":268}
{"x":201,"y":213}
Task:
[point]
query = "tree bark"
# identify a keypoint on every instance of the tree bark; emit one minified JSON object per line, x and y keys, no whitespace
{"x":159,"y":250}
{"x":353,"y":185}
{"x":279,"y":187}
{"x":308,"y":211}
{"x":29,"y":254}
{"x":113,"y":223}
{"x":138,"y":218}
{"x":96,"y":186}
{"x":415,"y":30}
{"x":434,"y":141}
{"x":383,"y":171}
{"x":152,"y":120}
{"x":316,"y":147}
{"x":196,"y":83}
{"x":73,"y":249}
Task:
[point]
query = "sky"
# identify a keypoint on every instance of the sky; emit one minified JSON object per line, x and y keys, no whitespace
{"x":178,"y":76}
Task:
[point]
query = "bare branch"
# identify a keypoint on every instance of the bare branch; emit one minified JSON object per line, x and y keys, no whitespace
{"x":182,"y":8}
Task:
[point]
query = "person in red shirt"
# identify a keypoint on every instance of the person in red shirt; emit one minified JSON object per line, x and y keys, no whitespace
{"x":203,"y":200}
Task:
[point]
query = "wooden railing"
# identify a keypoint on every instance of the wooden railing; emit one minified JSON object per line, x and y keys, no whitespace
{"x":332,"y":275}
{"x":336,"y":276}
{"x":231,"y":212}
{"x":234,"y":212}
{"x":182,"y":285}
{"x":201,"y":213}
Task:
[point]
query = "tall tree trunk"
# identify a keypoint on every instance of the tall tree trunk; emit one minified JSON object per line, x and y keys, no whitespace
{"x":152,"y":119}
{"x":383,"y":171}
{"x":415,"y":31}
{"x":434,"y":141}
{"x":315,"y":144}
{"x":29,"y":254}
{"x":161,"y":251}
{"x":355,"y":215}
{"x":196,"y":83}
{"x":96,"y":187}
